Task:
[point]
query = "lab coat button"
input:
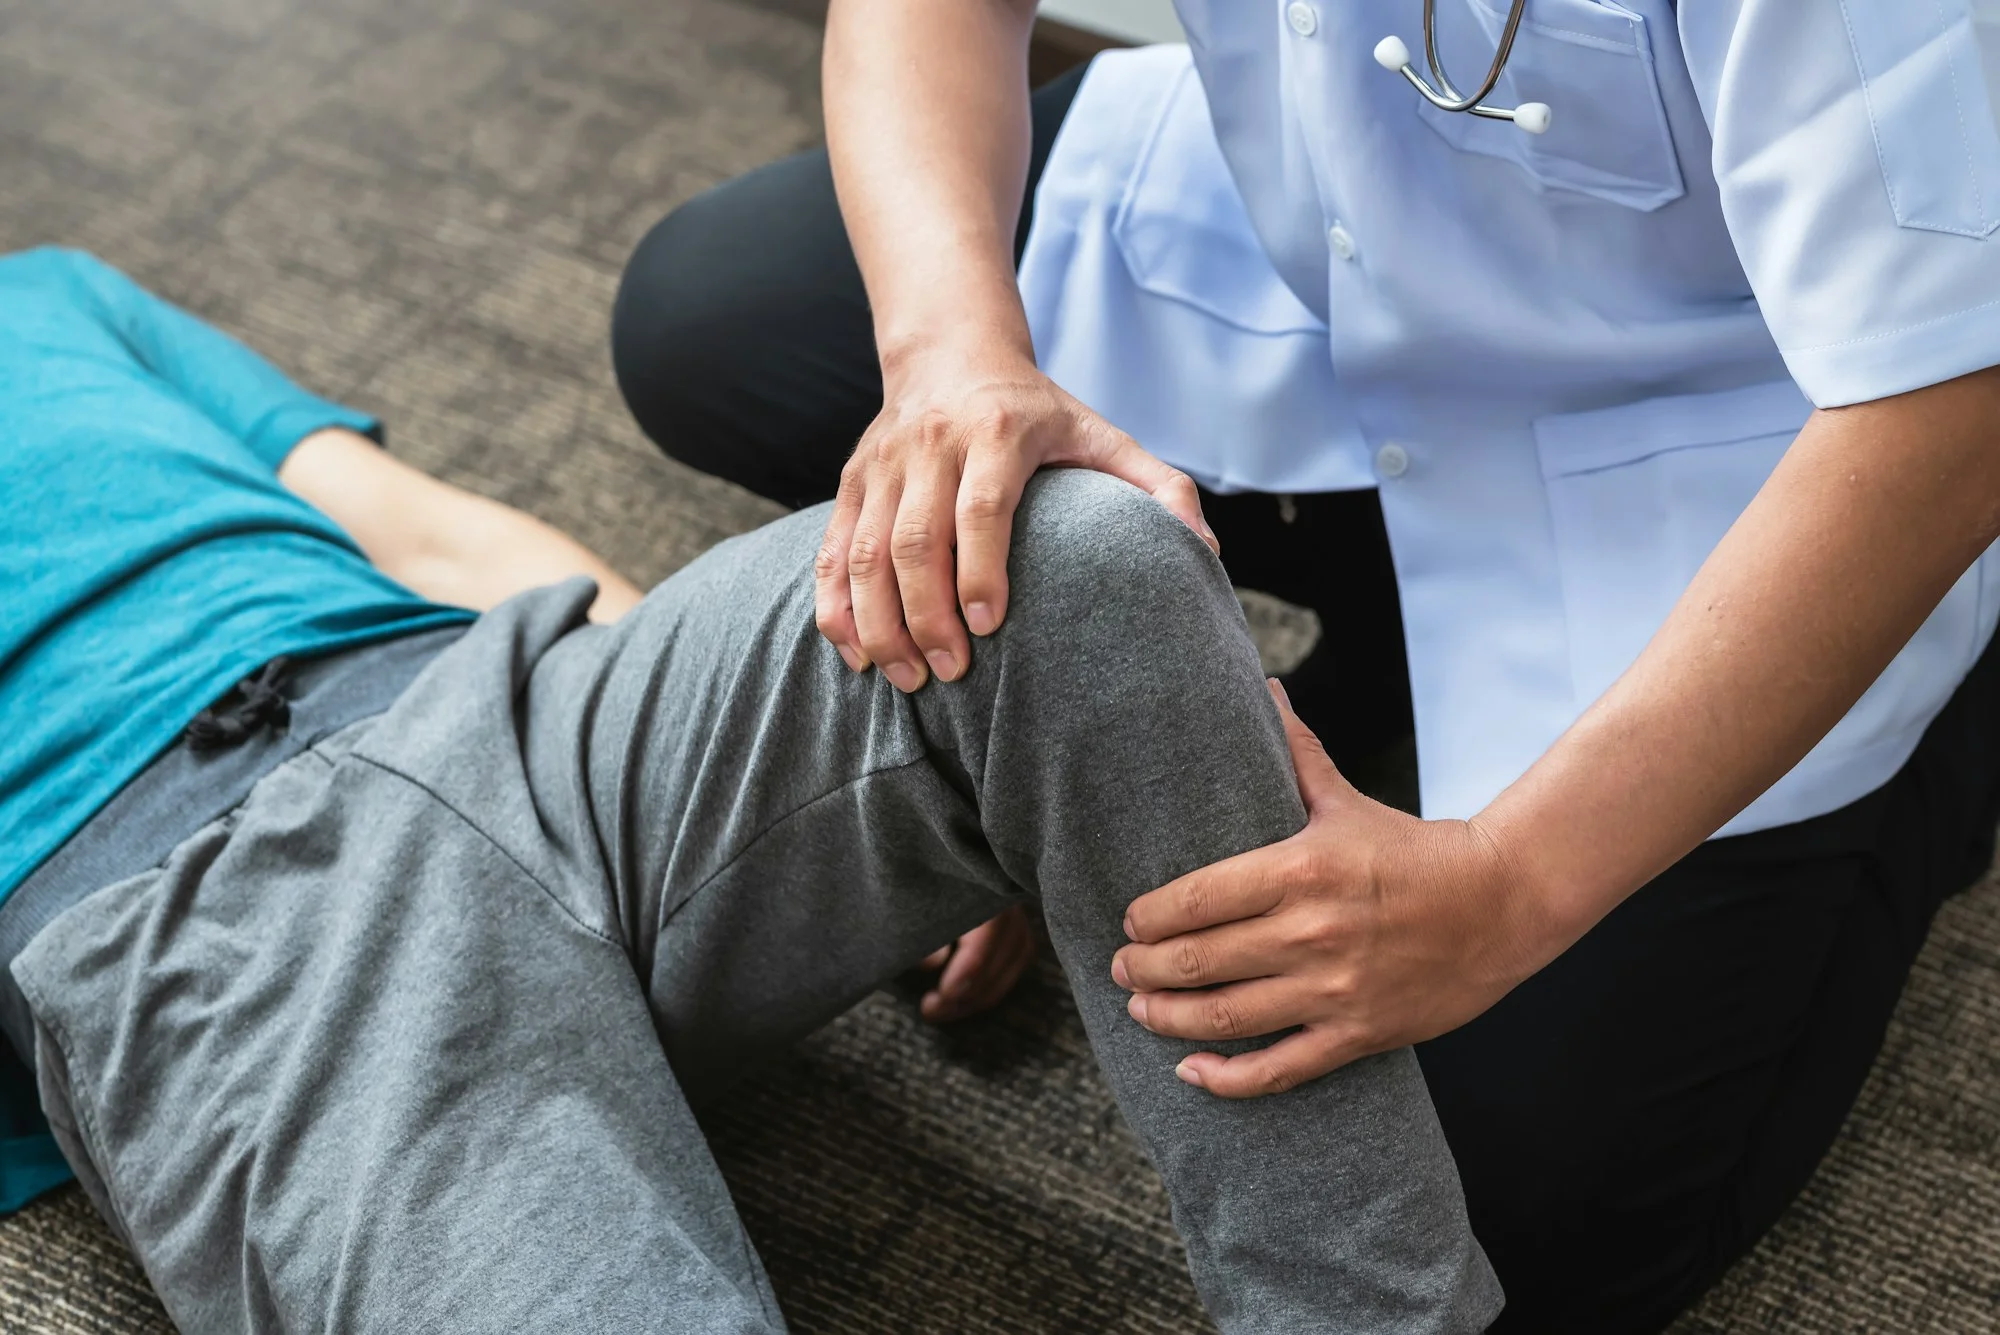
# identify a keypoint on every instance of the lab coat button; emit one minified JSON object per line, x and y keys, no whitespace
{"x":1341,"y":240}
{"x":1392,"y":460}
{"x":1302,"y":18}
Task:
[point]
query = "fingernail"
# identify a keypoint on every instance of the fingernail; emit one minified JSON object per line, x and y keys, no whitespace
{"x":852,"y":657}
{"x":1208,"y":536}
{"x":1187,"y":1072}
{"x":979,"y":618}
{"x":1278,"y":689}
{"x":905,"y":677}
{"x":1136,"y":1007}
{"x":1130,"y":935}
{"x":944,"y":664}
{"x":1118,"y":974}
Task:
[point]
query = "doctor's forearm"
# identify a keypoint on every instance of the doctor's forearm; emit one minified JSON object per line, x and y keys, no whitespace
{"x":928,"y":132}
{"x":929,"y":129}
{"x":1873,"y":514}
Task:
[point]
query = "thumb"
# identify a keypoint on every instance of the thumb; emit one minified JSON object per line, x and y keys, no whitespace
{"x":1321,"y":785}
{"x":1125,"y":458}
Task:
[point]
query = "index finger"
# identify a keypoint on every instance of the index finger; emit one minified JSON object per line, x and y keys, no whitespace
{"x":1244,"y":886}
{"x":988,"y":494}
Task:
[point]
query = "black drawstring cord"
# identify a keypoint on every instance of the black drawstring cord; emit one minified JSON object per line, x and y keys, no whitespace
{"x":253,"y":703}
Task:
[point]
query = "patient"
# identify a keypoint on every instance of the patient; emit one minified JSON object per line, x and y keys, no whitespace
{"x":368,"y":953}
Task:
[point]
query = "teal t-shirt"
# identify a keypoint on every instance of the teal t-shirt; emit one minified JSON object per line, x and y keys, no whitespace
{"x":150,"y":558}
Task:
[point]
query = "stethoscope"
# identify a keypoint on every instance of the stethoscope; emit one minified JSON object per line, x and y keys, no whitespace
{"x":1391,"y":54}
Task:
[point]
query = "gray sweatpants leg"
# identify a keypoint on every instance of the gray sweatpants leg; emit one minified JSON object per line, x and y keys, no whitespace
{"x":778,"y":836}
{"x":343,"y":1064}
{"x":387,"y":1046}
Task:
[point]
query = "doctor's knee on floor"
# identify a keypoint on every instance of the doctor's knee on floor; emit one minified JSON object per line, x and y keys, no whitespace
{"x":711,"y":328}
{"x":670,"y":334}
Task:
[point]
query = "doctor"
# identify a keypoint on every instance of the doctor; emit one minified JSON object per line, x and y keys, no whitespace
{"x":1667,"y":440}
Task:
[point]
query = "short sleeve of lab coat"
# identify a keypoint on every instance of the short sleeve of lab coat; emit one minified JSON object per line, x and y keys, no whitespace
{"x":1858,"y":156}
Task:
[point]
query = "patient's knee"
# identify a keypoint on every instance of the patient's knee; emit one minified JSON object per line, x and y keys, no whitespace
{"x":1100,"y":565}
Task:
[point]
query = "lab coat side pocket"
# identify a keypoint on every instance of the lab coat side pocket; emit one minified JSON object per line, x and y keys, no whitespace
{"x":1931,"y":110}
{"x":1640,"y":495}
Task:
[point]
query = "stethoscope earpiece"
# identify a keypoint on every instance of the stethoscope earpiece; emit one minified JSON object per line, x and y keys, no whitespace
{"x":1534,"y":117}
{"x":1393,"y":54}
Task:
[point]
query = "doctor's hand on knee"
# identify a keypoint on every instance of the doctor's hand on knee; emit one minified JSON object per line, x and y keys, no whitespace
{"x":915,"y":555}
{"x":1368,"y":930}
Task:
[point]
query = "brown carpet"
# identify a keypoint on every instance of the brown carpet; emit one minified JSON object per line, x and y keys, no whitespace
{"x":422,"y":208}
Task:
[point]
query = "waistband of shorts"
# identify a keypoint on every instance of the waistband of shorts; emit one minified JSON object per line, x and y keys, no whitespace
{"x":183,"y":789}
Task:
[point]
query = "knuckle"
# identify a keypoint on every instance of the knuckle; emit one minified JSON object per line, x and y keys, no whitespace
{"x":1000,"y":419}
{"x":982,"y":504}
{"x":881,"y":447}
{"x":1314,"y":870}
{"x":1221,"y":1016}
{"x":914,"y":542}
{"x":1188,"y":959}
{"x":866,"y":554}
{"x":1319,"y":929}
{"x":828,"y":561}
{"x":934,"y":431}
{"x":1277,"y":1077}
{"x":875,"y":453}
{"x":1340,"y":985}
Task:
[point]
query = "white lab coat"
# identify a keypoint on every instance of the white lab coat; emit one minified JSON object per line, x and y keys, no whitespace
{"x":1568,"y":362}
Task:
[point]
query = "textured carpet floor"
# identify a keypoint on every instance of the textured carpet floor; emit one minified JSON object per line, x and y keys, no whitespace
{"x":422,"y":209}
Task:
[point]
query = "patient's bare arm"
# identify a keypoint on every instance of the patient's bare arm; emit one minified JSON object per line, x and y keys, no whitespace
{"x":441,"y":541}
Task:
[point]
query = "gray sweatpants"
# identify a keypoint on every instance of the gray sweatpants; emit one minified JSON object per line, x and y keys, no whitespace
{"x":406,"y":1041}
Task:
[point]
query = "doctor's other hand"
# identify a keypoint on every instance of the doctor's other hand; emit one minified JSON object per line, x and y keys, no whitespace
{"x":1368,"y":930}
{"x":916,"y":551}
{"x":977,"y":971}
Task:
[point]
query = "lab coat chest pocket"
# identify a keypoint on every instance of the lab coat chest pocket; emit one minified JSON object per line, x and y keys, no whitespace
{"x":1185,"y":233}
{"x":1592,"y":62}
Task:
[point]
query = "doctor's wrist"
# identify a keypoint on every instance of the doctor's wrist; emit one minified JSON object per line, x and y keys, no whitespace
{"x":1540,"y":912}
{"x":965,"y":348}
